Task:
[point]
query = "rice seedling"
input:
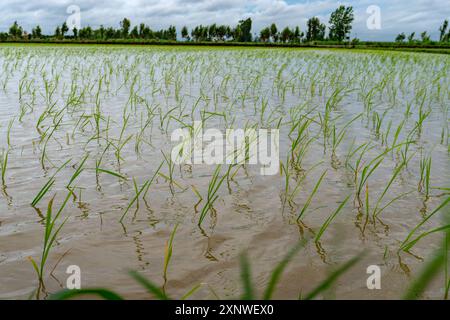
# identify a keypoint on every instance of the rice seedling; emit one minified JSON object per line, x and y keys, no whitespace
{"x":47,"y":186}
{"x":168,"y":254}
{"x":425,"y":171}
{"x":410,"y":242}
{"x":8,"y":132}
{"x":135,"y":199}
{"x":50,"y":235}
{"x":327,"y":222}
{"x":4,"y":165}
{"x":431,"y":270}
{"x":377,"y":210}
{"x":310,"y":197}
{"x":332,"y":278}
{"x":213,"y":188}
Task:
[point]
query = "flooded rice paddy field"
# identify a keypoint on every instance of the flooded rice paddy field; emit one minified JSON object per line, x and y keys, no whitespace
{"x":90,"y":126}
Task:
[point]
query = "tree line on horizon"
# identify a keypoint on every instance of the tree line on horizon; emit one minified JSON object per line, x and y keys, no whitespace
{"x":340,"y":26}
{"x":444,"y":35}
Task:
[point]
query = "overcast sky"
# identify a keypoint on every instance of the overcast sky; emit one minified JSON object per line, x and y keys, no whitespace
{"x":396,"y":15}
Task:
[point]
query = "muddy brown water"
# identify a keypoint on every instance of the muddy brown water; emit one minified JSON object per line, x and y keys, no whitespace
{"x":250,"y":214}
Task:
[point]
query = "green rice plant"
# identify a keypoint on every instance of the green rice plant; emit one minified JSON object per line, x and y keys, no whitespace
{"x":446,"y":265}
{"x":332,"y":278}
{"x":50,"y":234}
{"x":425,"y":172}
{"x":47,"y":185}
{"x":213,"y":187}
{"x":74,"y":293}
{"x":8,"y":132}
{"x":168,"y":254}
{"x":149,"y":286}
{"x":4,"y":165}
{"x":274,"y":277}
{"x":106,"y":294}
{"x":397,"y":133}
{"x":432,"y":269}
{"x":292,"y":194}
{"x":377,"y":210}
{"x":55,"y":127}
{"x":338,"y":137}
{"x":308,"y":201}
{"x":152,"y":179}
{"x":78,"y":171}
{"x":408,"y":243}
{"x":284,"y":169}
{"x":110,"y":172}
{"x":300,"y":144}
{"x":385,"y":135}
{"x":327,"y":222}
{"x":368,"y":170}
{"x":377,"y":121}
{"x":135,"y":199}
{"x":171,"y":169}
{"x":404,"y":153}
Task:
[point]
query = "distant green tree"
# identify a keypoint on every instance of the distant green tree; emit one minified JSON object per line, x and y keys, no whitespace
{"x":212,"y":32}
{"x":221,"y":32}
{"x":141,"y":30}
{"x":75,"y":32}
{"x":400,"y":37}
{"x":172,"y":33}
{"x":134,"y":34}
{"x":36,"y":33}
{"x":264,"y":34}
{"x":316,"y":30}
{"x":125,"y":25}
{"x":110,"y":33}
{"x":341,"y":23}
{"x":229,"y":33}
{"x":86,"y":33}
{"x":15,"y":31}
{"x":286,"y":35}
{"x":411,"y":37}
{"x":443,"y":37}
{"x":425,"y":37}
{"x":101,"y":32}
{"x":274,"y":32}
{"x":297,"y":35}
{"x":185,"y":33}
{"x":57,"y":32}
{"x":245,"y":28}
{"x":64,"y":29}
